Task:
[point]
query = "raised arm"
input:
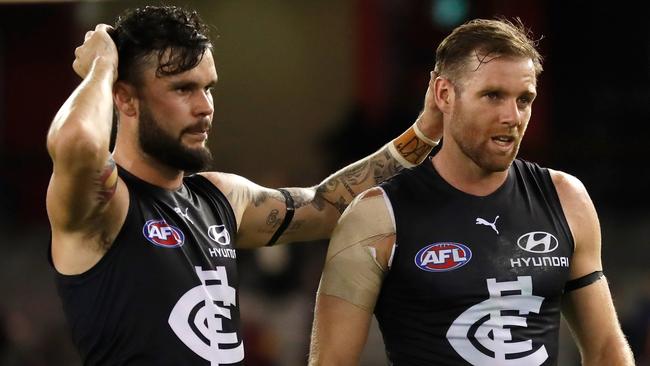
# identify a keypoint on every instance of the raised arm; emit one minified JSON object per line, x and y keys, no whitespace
{"x":357,"y":258}
{"x":80,"y":196}
{"x":261,"y":211}
{"x":589,"y":309}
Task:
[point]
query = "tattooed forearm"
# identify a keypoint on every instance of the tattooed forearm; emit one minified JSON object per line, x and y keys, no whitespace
{"x":106,"y":181}
{"x":413,"y":149}
{"x":357,"y":173}
{"x":340,"y":188}
{"x":384,"y":167}
{"x":322,"y":191}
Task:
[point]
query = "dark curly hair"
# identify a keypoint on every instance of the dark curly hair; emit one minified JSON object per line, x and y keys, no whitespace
{"x":145,"y":33}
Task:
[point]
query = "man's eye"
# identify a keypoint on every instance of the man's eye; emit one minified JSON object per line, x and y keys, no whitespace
{"x":183,"y":90}
{"x":525,"y":101}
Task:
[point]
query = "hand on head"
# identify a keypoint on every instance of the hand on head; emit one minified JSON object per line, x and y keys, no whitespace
{"x":430,"y":120}
{"x":97,"y":45}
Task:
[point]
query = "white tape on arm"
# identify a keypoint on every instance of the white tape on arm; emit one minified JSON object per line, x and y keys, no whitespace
{"x":423,"y":137}
{"x":351,"y":271}
{"x":397,"y":156}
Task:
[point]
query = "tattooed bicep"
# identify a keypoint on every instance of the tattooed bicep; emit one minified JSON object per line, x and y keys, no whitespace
{"x":243,"y":194}
{"x":261,"y":197}
{"x":106,"y":181}
{"x":301,"y":196}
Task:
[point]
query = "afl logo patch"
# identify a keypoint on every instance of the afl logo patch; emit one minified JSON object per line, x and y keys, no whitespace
{"x":442,"y":257}
{"x":161,"y":234}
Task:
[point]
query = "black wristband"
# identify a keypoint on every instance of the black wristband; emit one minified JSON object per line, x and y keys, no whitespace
{"x":583,"y":281}
{"x":288,"y":200}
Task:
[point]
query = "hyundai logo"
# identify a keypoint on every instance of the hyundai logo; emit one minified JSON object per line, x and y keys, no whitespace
{"x":219,"y":234}
{"x":537,"y":242}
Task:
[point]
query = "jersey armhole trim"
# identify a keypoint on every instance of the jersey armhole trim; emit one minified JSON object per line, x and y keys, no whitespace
{"x":546,"y":174}
{"x":391,"y":213}
{"x":207,"y":184}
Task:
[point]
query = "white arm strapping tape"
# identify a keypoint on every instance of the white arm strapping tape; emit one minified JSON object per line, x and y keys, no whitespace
{"x":351,"y":271}
{"x":397,"y":156}
{"x":423,"y":137}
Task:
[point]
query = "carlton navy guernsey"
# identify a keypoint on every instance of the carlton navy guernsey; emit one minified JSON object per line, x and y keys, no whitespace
{"x":165,"y":293}
{"x":475,"y":280}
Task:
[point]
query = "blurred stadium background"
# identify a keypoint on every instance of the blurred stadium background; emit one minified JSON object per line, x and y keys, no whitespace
{"x":306,"y":87}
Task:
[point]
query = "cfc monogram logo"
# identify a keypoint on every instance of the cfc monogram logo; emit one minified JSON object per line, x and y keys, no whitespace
{"x":492,"y":331}
{"x":202,"y":330}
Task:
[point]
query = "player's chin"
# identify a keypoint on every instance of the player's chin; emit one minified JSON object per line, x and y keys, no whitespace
{"x":503,"y":164}
{"x":498,"y":162}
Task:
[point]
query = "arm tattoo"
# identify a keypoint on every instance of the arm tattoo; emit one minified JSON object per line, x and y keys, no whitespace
{"x":340,"y":189}
{"x":261,"y":197}
{"x":385,"y":167}
{"x":273,"y":220}
{"x":106,"y":181}
{"x":413,"y":150}
{"x":301,"y":196}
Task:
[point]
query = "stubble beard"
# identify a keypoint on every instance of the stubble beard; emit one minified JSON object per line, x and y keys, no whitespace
{"x":168,"y":150}
{"x":472,"y":144}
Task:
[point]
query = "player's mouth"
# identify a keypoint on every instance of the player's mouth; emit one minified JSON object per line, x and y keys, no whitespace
{"x":504,"y":142}
{"x":199,"y":135}
{"x":198,"y":132}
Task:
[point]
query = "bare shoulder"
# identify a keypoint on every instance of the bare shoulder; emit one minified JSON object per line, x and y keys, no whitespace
{"x":579,"y":211}
{"x":234,"y":187}
{"x":240,"y":192}
{"x":570,"y":190}
{"x":237,"y":189}
{"x":226,"y":182}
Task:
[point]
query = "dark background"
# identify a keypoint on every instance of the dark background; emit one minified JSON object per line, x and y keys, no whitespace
{"x":306,"y":87}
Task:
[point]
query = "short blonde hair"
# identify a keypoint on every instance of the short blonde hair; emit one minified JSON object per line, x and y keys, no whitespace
{"x":498,"y":37}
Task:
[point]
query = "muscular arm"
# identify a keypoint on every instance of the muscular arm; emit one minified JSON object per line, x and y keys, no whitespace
{"x":260,"y":210}
{"x":357,"y":259}
{"x":589,"y":310}
{"x":84,"y":178}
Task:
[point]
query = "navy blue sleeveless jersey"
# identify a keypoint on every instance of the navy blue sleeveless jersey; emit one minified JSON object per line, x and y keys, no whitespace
{"x":475,"y":280}
{"x":165,"y":293}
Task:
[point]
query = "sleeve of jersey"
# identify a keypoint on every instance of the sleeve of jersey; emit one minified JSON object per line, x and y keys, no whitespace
{"x":351,"y":271}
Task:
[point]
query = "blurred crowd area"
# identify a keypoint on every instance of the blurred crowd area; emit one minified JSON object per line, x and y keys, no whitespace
{"x":306,"y":87}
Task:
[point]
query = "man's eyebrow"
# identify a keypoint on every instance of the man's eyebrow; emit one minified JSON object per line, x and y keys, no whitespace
{"x":191,"y":84}
{"x":183,"y":83}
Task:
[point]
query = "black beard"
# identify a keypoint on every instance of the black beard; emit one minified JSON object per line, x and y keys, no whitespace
{"x":170,"y":151}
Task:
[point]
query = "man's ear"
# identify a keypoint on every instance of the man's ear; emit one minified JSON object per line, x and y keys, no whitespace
{"x":125,"y":98}
{"x":444,"y":94}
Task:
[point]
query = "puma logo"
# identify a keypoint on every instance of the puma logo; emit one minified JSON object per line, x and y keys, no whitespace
{"x":183,"y":214}
{"x":493,"y":225}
